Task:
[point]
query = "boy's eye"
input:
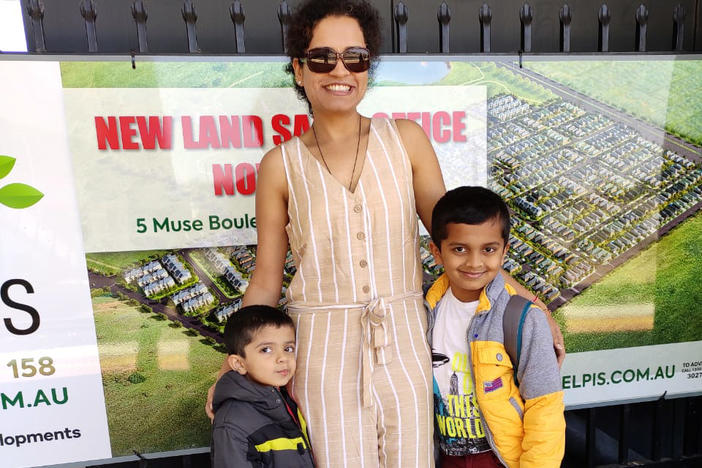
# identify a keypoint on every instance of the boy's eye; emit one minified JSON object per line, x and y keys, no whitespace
{"x":459,"y":249}
{"x":266,"y":349}
{"x":290,"y":349}
{"x":490,"y":249}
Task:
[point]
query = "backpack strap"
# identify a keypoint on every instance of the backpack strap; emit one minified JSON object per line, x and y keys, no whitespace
{"x":512,"y":324}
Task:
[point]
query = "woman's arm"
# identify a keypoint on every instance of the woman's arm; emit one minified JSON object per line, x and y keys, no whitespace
{"x":428,"y":183}
{"x":271,"y":218}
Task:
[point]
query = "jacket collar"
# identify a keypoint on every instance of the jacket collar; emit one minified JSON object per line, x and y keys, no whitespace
{"x":487,"y":295}
{"x":233,"y":385}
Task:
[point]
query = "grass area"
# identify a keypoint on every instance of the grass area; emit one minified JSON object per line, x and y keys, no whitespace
{"x":666,"y":93}
{"x":112,"y":263}
{"x":268,"y":75}
{"x":667,"y":275}
{"x":498,"y":80}
{"x":155,"y":378}
{"x":217,"y":279}
{"x":183,"y":74}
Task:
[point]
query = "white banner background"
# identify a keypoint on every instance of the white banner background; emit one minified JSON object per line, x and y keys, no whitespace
{"x":42,"y":245}
{"x":594,"y":378}
{"x":117,"y":187}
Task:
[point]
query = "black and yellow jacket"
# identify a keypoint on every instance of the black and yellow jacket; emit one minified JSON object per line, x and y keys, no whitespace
{"x":253,"y":427}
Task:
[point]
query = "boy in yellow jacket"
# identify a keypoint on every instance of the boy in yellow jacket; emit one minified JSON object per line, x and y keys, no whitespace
{"x":483,"y":418}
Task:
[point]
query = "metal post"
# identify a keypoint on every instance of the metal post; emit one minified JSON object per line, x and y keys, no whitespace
{"x":624,"y":416}
{"x":35,"y":11}
{"x":565,"y":16}
{"x":678,"y":428}
{"x":444,"y":17}
{"x":87,"y":11}
{"x":678,"y":27}
{"x":485,"y":17}
{"x":590,"y":438}
{"x":641,"y":16}
{"x":526,"y":15}
{"x":658,"y":415}
{"x":284,"y":18}
{"x":190,"y":17}
{"x":236,"y":11}
{"x":139,"y":14}
{"x":603,"y":35}
{"x":693,"y":427}
{"x":401,"y":15}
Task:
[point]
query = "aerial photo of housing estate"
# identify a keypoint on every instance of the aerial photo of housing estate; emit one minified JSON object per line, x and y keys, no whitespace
{"x":605,"y":203}
{"x":588,"y":190}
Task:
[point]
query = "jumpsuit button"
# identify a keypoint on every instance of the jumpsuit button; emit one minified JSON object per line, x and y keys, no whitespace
{"x":360,"y":236}
{"x":366,"y":289}
{"x":357,"y":209}
{"x":363,"y":263}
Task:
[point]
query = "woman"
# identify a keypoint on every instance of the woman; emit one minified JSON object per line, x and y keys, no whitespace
{"x":345,"y":197}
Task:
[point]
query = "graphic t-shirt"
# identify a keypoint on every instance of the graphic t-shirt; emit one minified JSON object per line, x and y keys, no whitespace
{"x":455,"y":405}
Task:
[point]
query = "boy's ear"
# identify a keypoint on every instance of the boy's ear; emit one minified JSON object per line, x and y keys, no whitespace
{"x":504,"y":252}
{"x":436,"y":252}
{"x":237,"y":363}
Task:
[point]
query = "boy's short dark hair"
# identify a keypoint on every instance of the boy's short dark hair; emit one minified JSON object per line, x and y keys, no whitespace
{"x":468,"y":205}
{"x":243,"y":323}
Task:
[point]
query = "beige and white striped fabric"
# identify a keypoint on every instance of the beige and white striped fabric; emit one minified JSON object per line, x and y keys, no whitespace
{"x":363,"y":377}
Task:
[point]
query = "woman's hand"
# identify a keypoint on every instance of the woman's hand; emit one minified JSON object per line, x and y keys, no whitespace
{"x":209,"y":410}
{"x":558,"y":346}
{"x":558,"y":342}
{"x":208,"y":405}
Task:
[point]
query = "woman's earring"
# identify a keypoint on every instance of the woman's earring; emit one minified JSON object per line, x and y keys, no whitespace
{"x":299,"y":82}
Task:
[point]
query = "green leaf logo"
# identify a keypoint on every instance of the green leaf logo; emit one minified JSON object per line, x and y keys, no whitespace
{"x":16,"y":195}
{"x":6,"y":165}
{"x":19,"y":195}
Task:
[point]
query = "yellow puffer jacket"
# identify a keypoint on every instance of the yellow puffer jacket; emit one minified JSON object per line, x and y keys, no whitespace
{"x":524,"y":425}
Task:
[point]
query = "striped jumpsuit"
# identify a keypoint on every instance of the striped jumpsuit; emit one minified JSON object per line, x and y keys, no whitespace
{"x":363,"y":377}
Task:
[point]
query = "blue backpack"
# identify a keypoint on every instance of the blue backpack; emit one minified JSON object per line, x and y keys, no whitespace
{"x":512,"y":325}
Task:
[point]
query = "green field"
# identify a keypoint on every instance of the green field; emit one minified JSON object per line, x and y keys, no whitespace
{"x":667,"y":93}
{"x":112,"y":263}
{"x":155,"y":377}
{"x":269,"y":75}
{"x":184,"y":74}
{"x":666,"y":277}
{"x":498,"y":80}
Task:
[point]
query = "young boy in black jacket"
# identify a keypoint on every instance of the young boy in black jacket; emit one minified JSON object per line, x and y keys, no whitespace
{"x":257,"y":424}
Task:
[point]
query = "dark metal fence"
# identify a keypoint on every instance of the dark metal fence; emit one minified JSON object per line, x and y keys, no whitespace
{"x":660,"y":434}
{"x":579,"y":26}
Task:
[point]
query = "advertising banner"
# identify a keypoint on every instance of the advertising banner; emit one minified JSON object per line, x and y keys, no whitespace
{"x":192,"y":155}
{"x":52,"y":408}
{"x":604,"y":183}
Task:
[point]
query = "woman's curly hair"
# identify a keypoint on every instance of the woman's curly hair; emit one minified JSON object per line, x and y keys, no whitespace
{"x":309,"y":13}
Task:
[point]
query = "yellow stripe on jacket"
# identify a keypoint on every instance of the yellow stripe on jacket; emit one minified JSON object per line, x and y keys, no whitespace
{"x":281,"y":444}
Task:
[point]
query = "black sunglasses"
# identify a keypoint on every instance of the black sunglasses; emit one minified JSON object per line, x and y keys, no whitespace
{"x":323,"y":59}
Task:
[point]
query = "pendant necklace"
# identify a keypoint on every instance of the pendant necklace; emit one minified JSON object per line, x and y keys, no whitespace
{"x":355,"y":159}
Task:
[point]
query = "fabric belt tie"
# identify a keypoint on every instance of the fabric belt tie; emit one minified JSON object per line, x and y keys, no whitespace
{"x":377,"y":341}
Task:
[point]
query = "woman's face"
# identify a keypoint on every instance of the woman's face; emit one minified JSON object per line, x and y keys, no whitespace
{"x":338,"y":90}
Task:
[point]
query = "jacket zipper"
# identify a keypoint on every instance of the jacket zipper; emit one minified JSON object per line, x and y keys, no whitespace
{"x":488,"y":433}
{"x":298,"y":425}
